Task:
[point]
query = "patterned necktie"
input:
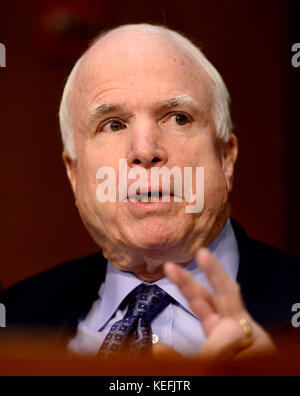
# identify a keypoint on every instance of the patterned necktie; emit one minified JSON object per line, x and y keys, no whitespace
{"x":133,"y":333}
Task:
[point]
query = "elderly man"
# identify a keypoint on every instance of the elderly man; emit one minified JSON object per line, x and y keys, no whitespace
{"x":169,"y":276}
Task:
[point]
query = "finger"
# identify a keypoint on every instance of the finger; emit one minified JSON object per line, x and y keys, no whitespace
{"x":197,"y":296}
{"x":228,"y":341}
{"x":227,"y":297}
{"x":225,"y":342}
{"x":263,"y":345}
{"x":216,"y":275}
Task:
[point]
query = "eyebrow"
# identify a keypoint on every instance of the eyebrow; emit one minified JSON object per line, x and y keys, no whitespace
{"x":106,"y":108}
{"x":100,"y":110}
{"x":177,"y":101}
{"x":184,"y":100}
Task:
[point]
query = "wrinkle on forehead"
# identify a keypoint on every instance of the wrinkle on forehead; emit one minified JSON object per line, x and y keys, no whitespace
{"x":136,"y":51}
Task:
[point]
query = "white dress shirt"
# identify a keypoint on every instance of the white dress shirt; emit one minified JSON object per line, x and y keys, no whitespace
{"x":176,"y":326}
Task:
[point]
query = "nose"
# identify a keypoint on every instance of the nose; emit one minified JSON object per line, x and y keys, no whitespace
{"x":146,"y":146}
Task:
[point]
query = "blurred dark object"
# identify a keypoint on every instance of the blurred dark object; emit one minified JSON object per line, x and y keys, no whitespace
{"x":43,"y":355}
{"x":64,"y":27}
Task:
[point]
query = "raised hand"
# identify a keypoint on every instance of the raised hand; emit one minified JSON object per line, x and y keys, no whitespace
{"x":231,"y":331}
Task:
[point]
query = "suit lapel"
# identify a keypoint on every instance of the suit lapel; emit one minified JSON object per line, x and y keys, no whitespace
{"x":259,"y":280}
{"x":86,"y":292}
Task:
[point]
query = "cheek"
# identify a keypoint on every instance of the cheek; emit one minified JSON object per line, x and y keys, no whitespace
{"x":86,"y":178}
{"x":86,"y":187}
{"x":215,"y":186}
{"x":216,"y":191}
{"x":91,"y":161}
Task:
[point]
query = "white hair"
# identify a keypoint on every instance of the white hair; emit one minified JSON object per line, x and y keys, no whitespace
{"x":221,"y":97}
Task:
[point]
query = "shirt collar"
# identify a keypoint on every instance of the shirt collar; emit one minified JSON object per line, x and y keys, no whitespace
{"x":119,"y":284}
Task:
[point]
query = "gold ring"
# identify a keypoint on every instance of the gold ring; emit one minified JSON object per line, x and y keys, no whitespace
{"x":245,"y":325}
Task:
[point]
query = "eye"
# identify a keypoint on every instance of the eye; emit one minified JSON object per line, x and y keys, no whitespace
{"x":113,"y":126}
{"x":179,"y":119}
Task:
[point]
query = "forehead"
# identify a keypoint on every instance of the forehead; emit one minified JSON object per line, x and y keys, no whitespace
{"x":138,"y":66}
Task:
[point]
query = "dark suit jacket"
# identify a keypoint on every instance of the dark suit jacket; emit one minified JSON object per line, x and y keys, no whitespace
{"x":58,"y":298}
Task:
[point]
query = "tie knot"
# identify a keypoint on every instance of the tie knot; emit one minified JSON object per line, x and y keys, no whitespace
{"x":147,"y":301}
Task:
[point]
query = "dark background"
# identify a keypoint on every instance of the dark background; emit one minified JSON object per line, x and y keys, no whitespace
{"x":248,"y":41}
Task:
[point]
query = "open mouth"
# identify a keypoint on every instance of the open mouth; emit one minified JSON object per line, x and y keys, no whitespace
{"x":151,"y":197}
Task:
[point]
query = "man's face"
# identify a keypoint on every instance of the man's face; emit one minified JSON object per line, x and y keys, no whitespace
{"x":132,"y":78}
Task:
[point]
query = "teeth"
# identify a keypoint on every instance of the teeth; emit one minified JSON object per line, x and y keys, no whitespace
{"x":145,"y":198}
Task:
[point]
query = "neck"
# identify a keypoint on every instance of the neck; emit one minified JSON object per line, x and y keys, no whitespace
{"x":147,"y":265}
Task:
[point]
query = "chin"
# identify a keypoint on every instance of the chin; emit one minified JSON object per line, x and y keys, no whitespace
{"x":154,"y":234}
{"x":154,"y":242}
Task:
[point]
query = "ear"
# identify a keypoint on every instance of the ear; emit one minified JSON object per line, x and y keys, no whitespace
{"x":70,"y":165}
{"x":229,"y":156}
